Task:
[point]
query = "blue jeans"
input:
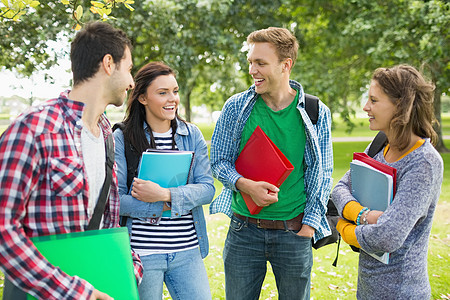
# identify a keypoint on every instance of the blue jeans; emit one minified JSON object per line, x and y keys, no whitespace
{"x":246,"y":252}
{"x":183,"y":272}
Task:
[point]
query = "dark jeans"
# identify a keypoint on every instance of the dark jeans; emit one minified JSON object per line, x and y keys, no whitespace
{"x":246,"y":252}
{"x":11,"y":292}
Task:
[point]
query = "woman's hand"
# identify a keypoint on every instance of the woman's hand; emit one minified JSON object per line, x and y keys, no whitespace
{"x":372,"y":216}
{"x":148,"y":191}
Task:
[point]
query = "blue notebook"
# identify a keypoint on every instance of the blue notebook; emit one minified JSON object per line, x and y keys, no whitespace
{"x":168,"y":168}
{"x":101,"y":257}
{"x":373,"y":189}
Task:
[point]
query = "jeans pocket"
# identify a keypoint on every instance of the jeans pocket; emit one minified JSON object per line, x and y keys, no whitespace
{"x":236,"y":224}
{"x":294,"y":232}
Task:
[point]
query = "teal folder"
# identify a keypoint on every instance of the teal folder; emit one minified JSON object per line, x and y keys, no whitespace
{"x":101,"y":257}
{"x":168,"y":168}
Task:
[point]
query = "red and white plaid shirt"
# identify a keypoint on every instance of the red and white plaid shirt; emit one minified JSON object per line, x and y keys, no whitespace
{"x":43,"y":191}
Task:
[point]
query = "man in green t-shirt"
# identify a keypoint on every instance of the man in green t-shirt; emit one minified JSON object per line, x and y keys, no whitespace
{"x":293,"y":214}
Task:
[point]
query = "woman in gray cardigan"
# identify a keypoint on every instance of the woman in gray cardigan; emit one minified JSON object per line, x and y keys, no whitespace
{"x":401,"y":105}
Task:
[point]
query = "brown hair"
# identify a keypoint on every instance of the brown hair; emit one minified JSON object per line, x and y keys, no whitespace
{"x":135,"y":113}
{"x":91,"y":44}
{"x":413,"y":97}
{"x":284,"y":41}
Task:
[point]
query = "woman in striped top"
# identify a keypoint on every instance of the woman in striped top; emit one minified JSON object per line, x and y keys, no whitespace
{"x":167,"y":226}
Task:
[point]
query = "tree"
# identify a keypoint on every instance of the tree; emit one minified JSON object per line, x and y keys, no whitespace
{"x":15,"y":9}
{"x":190,"y":36}
{"x":342,"y":42}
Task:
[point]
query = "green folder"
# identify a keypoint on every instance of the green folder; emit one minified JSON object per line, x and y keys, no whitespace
{"x":101,"y":257}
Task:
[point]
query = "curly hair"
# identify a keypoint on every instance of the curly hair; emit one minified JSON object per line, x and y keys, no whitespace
{"x":413,"y":97}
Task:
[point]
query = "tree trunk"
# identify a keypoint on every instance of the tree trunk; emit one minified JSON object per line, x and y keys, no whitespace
{"x":188,"y":105}
{"x":440,"y":146}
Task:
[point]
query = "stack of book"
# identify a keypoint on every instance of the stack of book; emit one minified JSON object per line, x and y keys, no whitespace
{"x":373,"y":185}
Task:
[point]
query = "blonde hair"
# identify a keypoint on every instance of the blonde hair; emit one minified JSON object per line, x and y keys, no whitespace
{"x":413,"y":97}
{"x":284,"y":41}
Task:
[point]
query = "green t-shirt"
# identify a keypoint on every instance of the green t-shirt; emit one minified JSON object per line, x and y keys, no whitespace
{"x":286,"y":129}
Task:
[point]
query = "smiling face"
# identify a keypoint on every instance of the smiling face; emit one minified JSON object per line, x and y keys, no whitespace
{"x":161,"y":102}
{"x":379,"y":108}
{"x":265,"y":68}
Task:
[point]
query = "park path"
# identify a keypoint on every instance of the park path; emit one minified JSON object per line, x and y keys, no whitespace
{"x":353,"y":139}
{"x":365,"y":138}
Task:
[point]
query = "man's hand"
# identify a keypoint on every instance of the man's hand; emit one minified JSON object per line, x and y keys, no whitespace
{"x":97,"y":295}
{"x":148,"y":191}
{"x":262,"y":193}
{"x":306,"y":231}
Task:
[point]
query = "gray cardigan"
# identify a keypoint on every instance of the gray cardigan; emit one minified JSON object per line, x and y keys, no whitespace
{"x":402,"y":230}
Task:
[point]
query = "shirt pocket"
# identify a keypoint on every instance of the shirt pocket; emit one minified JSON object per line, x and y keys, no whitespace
{"x":67,"y":178}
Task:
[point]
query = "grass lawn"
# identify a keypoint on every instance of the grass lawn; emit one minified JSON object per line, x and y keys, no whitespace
{"x":329,"y":282}
{"x":340,"y":282}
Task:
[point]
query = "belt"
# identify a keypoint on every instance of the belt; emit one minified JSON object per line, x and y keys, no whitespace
{"x":292,"y":224}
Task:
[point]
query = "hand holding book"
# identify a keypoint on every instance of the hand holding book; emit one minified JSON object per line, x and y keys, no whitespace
{"x":261,"y":192}
{"x":149,"y":191}
{"x":261,"y":161}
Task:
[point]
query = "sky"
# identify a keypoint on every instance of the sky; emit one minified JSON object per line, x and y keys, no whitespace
{"x":12,"y":84}
{"x":35,"y":85}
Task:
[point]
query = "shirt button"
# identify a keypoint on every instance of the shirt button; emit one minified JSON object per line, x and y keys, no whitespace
{"x":154,"y":215}
{"x":176,"y":214}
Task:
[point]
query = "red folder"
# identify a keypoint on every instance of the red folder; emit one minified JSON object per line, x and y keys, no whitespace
{"x":261,"y":160}
{"x":363,"y":157}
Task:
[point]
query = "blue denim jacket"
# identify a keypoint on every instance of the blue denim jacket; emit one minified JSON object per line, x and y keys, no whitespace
{"x":318,"y":156}
{"x":199,"y":190}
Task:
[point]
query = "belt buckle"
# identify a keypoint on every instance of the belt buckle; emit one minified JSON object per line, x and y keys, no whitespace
{"x":258,"y":223}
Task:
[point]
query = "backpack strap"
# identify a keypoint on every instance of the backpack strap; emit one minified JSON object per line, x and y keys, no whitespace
{"x":378,"y":143}
{"x":131,"y":157}
{"x":99,"y":209}
{"x":312,"y":107}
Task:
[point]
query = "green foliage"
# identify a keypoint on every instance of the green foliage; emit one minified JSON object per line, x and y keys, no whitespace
{"x":341,"y":42}
{"x":14,"y":9}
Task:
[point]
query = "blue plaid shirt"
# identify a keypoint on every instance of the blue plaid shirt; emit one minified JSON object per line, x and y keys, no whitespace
{"x":318,"y":156}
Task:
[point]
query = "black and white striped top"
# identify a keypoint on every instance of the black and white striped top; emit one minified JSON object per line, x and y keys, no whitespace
{"x":168,"y":235}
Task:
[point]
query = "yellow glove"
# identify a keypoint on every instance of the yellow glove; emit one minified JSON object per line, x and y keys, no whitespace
{"x":347,"y":231}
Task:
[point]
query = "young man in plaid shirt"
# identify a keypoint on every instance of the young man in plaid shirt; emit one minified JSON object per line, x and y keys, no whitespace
{"x":52,"y":167}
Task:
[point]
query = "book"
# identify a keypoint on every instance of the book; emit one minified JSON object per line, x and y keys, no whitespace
{"x":101,"y":257}
{"x":261,"y":160}
{"x":363,"y":157}
{"x":168,"y":168}
{"x":373,"y":186}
